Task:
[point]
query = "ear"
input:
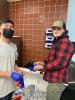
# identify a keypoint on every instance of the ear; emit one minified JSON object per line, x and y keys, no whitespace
{"x":1,"y":30}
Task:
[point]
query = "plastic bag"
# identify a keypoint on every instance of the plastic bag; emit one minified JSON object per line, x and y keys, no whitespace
{"x":30,"y":93}
{"x":33,"y":93}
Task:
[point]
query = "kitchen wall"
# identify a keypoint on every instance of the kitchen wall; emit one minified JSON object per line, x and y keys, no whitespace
{"x":31,"y":18}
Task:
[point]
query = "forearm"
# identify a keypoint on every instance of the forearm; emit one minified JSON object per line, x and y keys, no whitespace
{"x":4,"y":74}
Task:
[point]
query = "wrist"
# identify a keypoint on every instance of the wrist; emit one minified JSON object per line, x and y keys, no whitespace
{"x":8,"y":75}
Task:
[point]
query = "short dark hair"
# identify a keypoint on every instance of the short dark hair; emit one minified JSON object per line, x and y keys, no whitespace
{"x":64,"y":26}
{"x":6,"y":21}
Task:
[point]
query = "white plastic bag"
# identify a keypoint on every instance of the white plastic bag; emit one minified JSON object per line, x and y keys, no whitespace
{"x":30,"y":93}
{"x":33,"y":93}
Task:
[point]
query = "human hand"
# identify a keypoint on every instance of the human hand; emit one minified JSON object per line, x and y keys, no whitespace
{"x":38,"y":67}
{"x":20,"y":71}
{"x":20,"y":83}
{"x":16,"y":76}
{"x":39,"y":63}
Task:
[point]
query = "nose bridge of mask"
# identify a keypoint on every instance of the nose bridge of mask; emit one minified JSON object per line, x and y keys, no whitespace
{"x":8,"y":31}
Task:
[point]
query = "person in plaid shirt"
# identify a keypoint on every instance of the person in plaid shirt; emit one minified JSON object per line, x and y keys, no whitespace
{"x":56,"y":64}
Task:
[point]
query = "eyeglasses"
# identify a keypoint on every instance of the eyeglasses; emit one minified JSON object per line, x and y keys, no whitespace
{"x":56,"y":28}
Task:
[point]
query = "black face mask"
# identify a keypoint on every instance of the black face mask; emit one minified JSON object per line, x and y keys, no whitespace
{"x":8,"y":33}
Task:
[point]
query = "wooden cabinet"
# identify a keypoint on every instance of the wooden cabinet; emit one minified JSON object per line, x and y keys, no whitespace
{"x":4,"y":9}
{"x":17,"y":41}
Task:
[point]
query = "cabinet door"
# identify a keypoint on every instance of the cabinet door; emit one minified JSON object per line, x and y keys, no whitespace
{"x":4,"y":9}
{"x":17,"y":41}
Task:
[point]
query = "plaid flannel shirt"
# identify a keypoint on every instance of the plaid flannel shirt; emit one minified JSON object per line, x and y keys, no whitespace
{"x":58,"y":60}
